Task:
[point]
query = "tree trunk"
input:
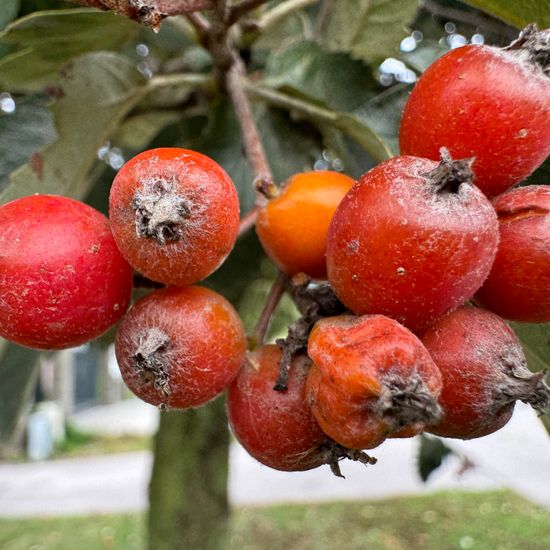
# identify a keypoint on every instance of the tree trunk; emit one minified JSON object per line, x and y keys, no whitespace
{"x":19,"y":370}
{"x":188,"y":492}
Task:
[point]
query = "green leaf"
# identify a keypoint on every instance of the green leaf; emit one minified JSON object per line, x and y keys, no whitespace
{"x":47,"y":40}
{"x":535,"y":339}
{"x":295,"y":26}
{"x":8,"y":12}
{"x":349,"y":124}
{"x":291,"y":147}
{"x":383,"y":114}
{"x":28,"y":128}
{"x":370,"y":30}
{"x":331,"y":78}
{"x":98,"y":90}
{"x":136,"y":132}
{"x":516,"y":13}
{"x":19,"y":371}
{"x":430,"y":455}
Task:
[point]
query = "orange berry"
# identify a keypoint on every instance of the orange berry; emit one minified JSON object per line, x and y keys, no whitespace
{"x":293,"y":227}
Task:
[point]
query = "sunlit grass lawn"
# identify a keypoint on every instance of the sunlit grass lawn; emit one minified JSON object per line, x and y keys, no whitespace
{"x":481,"y":521}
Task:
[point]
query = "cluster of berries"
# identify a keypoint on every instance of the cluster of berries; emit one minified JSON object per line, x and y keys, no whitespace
{"x":390,"y":347}
{"x":424,"y":260}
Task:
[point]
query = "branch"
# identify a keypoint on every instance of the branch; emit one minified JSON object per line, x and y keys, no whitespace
{"x":201,"y":25}
{"x":148,"y":12}
{"x":237,"y":11}
{"x":253,"y":145}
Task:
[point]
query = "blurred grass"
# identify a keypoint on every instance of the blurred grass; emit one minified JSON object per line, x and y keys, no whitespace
{"x":497,"y":520}
{"x":80,"y":443}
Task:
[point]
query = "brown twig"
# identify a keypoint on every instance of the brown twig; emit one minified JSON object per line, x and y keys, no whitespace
{"x":201,"y":25}
{"x":253,"y":145}
{"x":148,"y":12}
{"x":237,"y":11}
{"x":273,"y":299}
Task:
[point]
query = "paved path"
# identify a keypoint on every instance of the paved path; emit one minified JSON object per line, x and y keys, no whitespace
{"x":517,"y":457}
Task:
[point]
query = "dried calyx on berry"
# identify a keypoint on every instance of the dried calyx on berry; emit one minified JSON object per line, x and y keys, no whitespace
{"x":450,"y":174}
{"x":533,"y":45}
{"x":160,"y":212}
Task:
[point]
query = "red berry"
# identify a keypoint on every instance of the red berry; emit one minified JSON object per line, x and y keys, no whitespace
{"x":276,"y":428}
{"x":518,"y":286}
{"x":489,"y":103}
{"x":63,"y":281}
{"x":411,"y":240}
{"x":484,"y":373}
{"x":174,"y":214}
{"x":371,"y":379}
{"x":180,"y":347}
{"x":293,"y":226}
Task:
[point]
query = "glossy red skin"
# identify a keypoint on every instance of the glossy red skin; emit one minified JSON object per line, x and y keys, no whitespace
{"x":354,"y":359}
{"x":518,"y":286}
{"x":63,"y":281}
{"x":473,"y":348}
{"x":206,"y":349}
{"x":482,"y":102}
{"x":398,"y":247}
{"x":210,"y":232}
{"x":276,"y":428}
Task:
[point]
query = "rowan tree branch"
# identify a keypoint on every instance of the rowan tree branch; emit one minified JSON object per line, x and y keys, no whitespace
{"x":149,"y":12}
{"x":255,"y":152}
{"x":201,"y":25}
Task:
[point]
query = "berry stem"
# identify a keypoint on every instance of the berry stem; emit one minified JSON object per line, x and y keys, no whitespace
{"x":253,"y":144}
{"x":248,"y":220}
{"x":313,"y":302}
{"x":273,"y":299}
